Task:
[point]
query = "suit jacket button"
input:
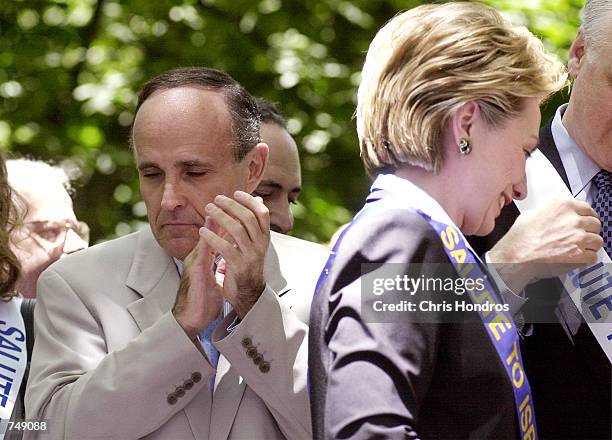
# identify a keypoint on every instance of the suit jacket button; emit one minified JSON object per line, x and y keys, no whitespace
{"x":180,"y":391}
{"x":196,"y":377}
{"x":258,"y":359}
{"x":246,"y":342}
{"x":188,"y":384}
{"x":251,"y":352}
{"x":171,"y":399}
{"x":264,"y":367}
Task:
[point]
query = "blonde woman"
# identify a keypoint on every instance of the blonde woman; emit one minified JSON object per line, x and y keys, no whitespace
{"x":447,"y":114}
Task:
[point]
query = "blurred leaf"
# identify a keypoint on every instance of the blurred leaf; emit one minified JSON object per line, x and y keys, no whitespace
{"x":91,"y":136}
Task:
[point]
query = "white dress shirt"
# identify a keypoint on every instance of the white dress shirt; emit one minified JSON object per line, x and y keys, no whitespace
{"x":579,"y":167}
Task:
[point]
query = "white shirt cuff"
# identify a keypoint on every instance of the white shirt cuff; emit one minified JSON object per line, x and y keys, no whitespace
{"x":515,"y":301}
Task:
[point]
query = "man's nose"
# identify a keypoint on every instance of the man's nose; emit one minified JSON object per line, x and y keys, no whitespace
{"x":73,"y":242}
{"x":171,"y":197}
{"x":282,"y":219}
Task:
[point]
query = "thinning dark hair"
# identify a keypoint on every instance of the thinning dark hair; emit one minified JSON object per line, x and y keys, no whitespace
{"x":241,"y":105}
{"x":9,"y":219}
{"x":269,"y":113}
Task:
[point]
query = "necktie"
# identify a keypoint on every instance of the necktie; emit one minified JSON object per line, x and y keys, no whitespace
{"x":206,"y":335}
{"x":206,"y":340}
{"x":603,"y":205}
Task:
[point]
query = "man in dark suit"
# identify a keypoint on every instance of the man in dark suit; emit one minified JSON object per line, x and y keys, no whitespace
{"x":568,"y":370}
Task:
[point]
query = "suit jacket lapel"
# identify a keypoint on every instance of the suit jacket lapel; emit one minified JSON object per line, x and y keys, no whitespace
{"x":229,"y":389}
{"x":229,"y":385}
{"x":272,"y":269}
{"x":153,"y":275}
{"x":549,"y":149}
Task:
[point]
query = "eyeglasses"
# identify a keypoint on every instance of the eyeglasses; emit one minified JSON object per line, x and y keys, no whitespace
{"x":55,"y":233}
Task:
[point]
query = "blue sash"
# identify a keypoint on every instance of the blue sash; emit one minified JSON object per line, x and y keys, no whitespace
{"x":499,"y":325}
{"x":13,"y":358}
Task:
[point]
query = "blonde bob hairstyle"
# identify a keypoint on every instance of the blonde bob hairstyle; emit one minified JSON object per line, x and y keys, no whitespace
{"x":427,"y":62}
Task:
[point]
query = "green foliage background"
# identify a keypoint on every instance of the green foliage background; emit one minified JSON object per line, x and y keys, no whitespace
{"x":70,"y":71}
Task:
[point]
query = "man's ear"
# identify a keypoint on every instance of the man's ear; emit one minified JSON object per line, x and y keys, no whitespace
{"x":257,"y":160}
{"x":576,"y":55}
{"x":461,"y":124}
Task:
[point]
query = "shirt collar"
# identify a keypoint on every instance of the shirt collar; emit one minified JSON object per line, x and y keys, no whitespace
{"x":412,"y":196}
{"x":179,"y":265}
{"x":579,"y":167}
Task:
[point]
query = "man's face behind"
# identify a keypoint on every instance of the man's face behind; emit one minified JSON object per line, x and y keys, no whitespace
{"x":183,"y":149}
{"x":282,"y":180}
{"x":591,"y":99}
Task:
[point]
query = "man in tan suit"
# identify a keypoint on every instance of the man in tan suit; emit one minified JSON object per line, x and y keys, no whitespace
{"x":126,"y":346}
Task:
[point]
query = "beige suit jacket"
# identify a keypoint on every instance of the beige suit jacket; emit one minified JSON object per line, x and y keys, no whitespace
{"x":109,"y":355}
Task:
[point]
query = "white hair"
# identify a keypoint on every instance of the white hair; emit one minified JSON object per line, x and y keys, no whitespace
{"x":27,"y":173}
{"x":596,"y":19}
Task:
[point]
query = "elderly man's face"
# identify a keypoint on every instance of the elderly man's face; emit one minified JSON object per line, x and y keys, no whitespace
{"x":49,"y":230}
{"x":49,"y":222}
{"x":282,"y":180}
{"x":183,"y":148}
{"x":589,"y":115}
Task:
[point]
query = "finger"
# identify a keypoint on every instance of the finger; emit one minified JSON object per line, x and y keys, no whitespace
{"x":582,"y":208}
{"x":234,"y":228}
{"x":210,"y":254}
{"x":257,"y":207}
{"x":212,"y":286}
{"x":198,"y":269}
{"x":197,"y":266}
{"x":201,"y":253}
{"x":589,"y":257}
{"x":213,"y":226}
{"x":593,"y":242}
{"x":590,"y":224}
{"x":243,"y":214}
{"x":220,"y":245}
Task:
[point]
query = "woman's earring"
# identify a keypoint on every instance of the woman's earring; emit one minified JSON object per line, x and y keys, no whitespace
{"x":464,"y":147}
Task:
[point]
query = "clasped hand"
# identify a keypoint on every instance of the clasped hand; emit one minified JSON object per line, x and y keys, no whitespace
{"x":238,"y":230}
{"x":548,"y":242}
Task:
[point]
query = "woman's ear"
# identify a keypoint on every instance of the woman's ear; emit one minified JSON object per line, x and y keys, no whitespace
{"x":257,"y":160}
{"x":462,"y":122}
